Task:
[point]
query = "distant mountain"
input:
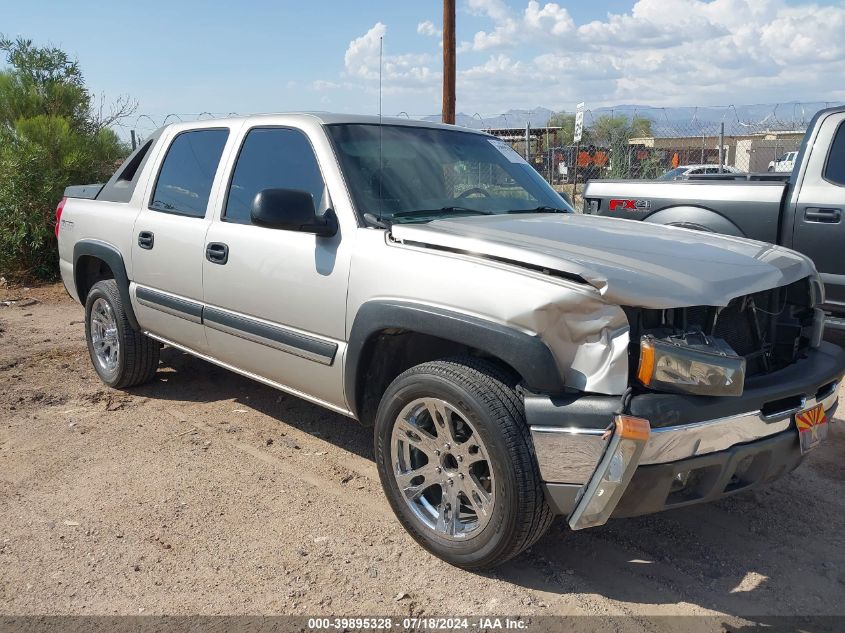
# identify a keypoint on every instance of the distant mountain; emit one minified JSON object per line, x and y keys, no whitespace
{"x":538,"y":117}
{"x":738,"y":119}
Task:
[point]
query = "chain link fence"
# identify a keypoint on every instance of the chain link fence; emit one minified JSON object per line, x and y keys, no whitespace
{"x":652,"y":143}
{"x":628,"y":142}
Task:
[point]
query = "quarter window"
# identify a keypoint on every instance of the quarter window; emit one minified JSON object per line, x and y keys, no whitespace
{"x":834,"y":171}
{"x":187,"y":173}
{"x":272,"y":158}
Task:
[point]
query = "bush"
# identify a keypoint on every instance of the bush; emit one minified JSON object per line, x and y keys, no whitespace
{"x":49,"y":138}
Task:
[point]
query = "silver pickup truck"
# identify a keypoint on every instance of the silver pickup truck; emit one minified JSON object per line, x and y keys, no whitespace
{"x":803,"y":209}
{"x":516,"y":360}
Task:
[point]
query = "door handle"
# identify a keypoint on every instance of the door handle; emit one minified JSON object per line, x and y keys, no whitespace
{"x":830,"y":216}
{"x":146,"y":239}
{"x":217,"y":253}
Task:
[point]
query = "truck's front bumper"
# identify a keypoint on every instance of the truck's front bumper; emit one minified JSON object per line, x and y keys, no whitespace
{"x":700,"y":448}
{"x":657,"y":487}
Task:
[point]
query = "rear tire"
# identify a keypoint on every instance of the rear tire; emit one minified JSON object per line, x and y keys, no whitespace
{"x":122,"y":356}
{"x":456,"y":462}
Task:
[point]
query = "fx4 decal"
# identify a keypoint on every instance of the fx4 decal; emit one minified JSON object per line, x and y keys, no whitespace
{"x":630,"y":205}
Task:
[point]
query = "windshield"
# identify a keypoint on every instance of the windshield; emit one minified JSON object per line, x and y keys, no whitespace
{"x":431,"y":173}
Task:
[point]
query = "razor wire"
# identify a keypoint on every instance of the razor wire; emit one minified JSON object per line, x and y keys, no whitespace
{"x":625,"y":142}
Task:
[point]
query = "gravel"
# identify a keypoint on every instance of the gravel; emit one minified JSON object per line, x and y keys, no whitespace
{"x":206,"y":493}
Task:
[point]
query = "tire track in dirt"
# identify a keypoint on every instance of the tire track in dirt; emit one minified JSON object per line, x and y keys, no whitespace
{"x":326,"y":485}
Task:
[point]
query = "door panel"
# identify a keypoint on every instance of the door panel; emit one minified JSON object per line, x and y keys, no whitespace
{"x":276,"y":307}
{"x":169,"y":238}
{"x":178,"y":247}
{"x":819,"y":228}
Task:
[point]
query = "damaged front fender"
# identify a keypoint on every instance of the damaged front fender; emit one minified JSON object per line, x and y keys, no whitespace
{"x":588,"y":337}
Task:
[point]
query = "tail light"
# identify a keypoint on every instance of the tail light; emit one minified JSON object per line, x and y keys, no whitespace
{"x":59,"y":210}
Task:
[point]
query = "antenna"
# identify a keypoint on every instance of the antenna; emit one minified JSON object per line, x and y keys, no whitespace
{"x":380,"y":65}
{"x":380,"y":154}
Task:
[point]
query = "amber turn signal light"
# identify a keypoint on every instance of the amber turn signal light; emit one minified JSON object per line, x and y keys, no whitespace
{"x":631,"y":428}
{"x":646,"y":368}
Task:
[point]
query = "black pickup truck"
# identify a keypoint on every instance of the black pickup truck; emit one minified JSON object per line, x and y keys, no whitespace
{"x":803,"y":210}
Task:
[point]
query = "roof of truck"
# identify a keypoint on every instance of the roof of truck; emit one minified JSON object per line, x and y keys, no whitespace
{"x":325,"y":118}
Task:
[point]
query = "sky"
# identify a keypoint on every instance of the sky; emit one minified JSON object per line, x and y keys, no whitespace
{"x":189,"y":57}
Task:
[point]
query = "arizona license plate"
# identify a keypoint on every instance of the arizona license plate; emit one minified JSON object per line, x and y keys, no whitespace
{"x":812,"y":427}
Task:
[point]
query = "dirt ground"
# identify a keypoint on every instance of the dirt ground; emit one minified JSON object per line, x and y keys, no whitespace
{"x":206,"y":493}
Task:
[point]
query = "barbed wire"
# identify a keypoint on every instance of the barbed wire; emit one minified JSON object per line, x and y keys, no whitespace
{"x":756,"y":116}
{"x":622,"y":142}
{"x":662,"y":117}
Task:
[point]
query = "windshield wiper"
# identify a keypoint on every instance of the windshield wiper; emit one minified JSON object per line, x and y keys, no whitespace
{"x":376,"y":221}
{"x":541,"y":209}
{"x":415,"y":213}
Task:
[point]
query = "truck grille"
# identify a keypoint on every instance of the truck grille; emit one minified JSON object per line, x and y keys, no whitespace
{"x":771,"y":329}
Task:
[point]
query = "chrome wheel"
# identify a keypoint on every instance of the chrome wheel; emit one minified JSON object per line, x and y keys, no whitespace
{"x":442,"y":469}
{"x":104,"y":336}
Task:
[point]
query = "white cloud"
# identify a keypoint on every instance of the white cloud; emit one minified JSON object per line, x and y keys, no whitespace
{"x":496,"y":10}
{"x":536,"y":23}
{"x":550,"y":17}
{"x":427,"y":28}
{"x":321,"y":84}
{"x":795,"y":36}
{"x":406,"y":72}
{"x":660,"y":52}
{"x":362,"y":54}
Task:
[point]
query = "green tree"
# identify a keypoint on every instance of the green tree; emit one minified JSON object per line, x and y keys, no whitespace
{"x":610,"y":129}
{"x":51,"y":136}
{"x":615,"y":132}
{"x":566,"y":122}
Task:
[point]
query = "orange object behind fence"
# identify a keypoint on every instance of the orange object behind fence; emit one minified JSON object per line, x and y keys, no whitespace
{"x":598,"y":158}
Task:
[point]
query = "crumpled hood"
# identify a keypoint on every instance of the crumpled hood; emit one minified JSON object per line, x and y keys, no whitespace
{"x":629,"y":262}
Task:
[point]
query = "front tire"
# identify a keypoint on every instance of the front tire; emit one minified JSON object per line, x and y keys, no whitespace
{"x":457,"y":464}
{"x":122,"y":356}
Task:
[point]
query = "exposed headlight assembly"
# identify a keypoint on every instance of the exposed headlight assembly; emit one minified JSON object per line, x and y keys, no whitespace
{"x":691,"y":363}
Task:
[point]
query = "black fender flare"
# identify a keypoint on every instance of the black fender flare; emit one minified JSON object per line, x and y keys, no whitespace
{"x":526,"y":353}
{"x":695,"y":218}
{"x":112,"y":257}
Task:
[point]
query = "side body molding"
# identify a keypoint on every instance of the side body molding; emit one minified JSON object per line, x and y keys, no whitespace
{"x":111,"y":256}
{"x":527,"y":354}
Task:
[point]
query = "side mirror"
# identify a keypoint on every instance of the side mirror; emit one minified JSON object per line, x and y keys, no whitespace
{"x":291,"y":210}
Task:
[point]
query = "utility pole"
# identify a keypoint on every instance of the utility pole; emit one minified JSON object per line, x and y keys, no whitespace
{"x":448,"y":115}
{"x":134,"y":142}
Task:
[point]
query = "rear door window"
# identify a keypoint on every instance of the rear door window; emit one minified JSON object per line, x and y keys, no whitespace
{"x":187,"y":173}
{"x":834,"y":170}
{"x":272,"y":158}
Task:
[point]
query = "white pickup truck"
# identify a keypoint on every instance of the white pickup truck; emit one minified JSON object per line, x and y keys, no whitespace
{"x":515,"y":359}
{"x":784,"y":162}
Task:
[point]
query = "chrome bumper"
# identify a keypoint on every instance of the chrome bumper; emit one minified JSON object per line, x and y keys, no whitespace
{"x":569,"y":455}
{"x":674,"y":443}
